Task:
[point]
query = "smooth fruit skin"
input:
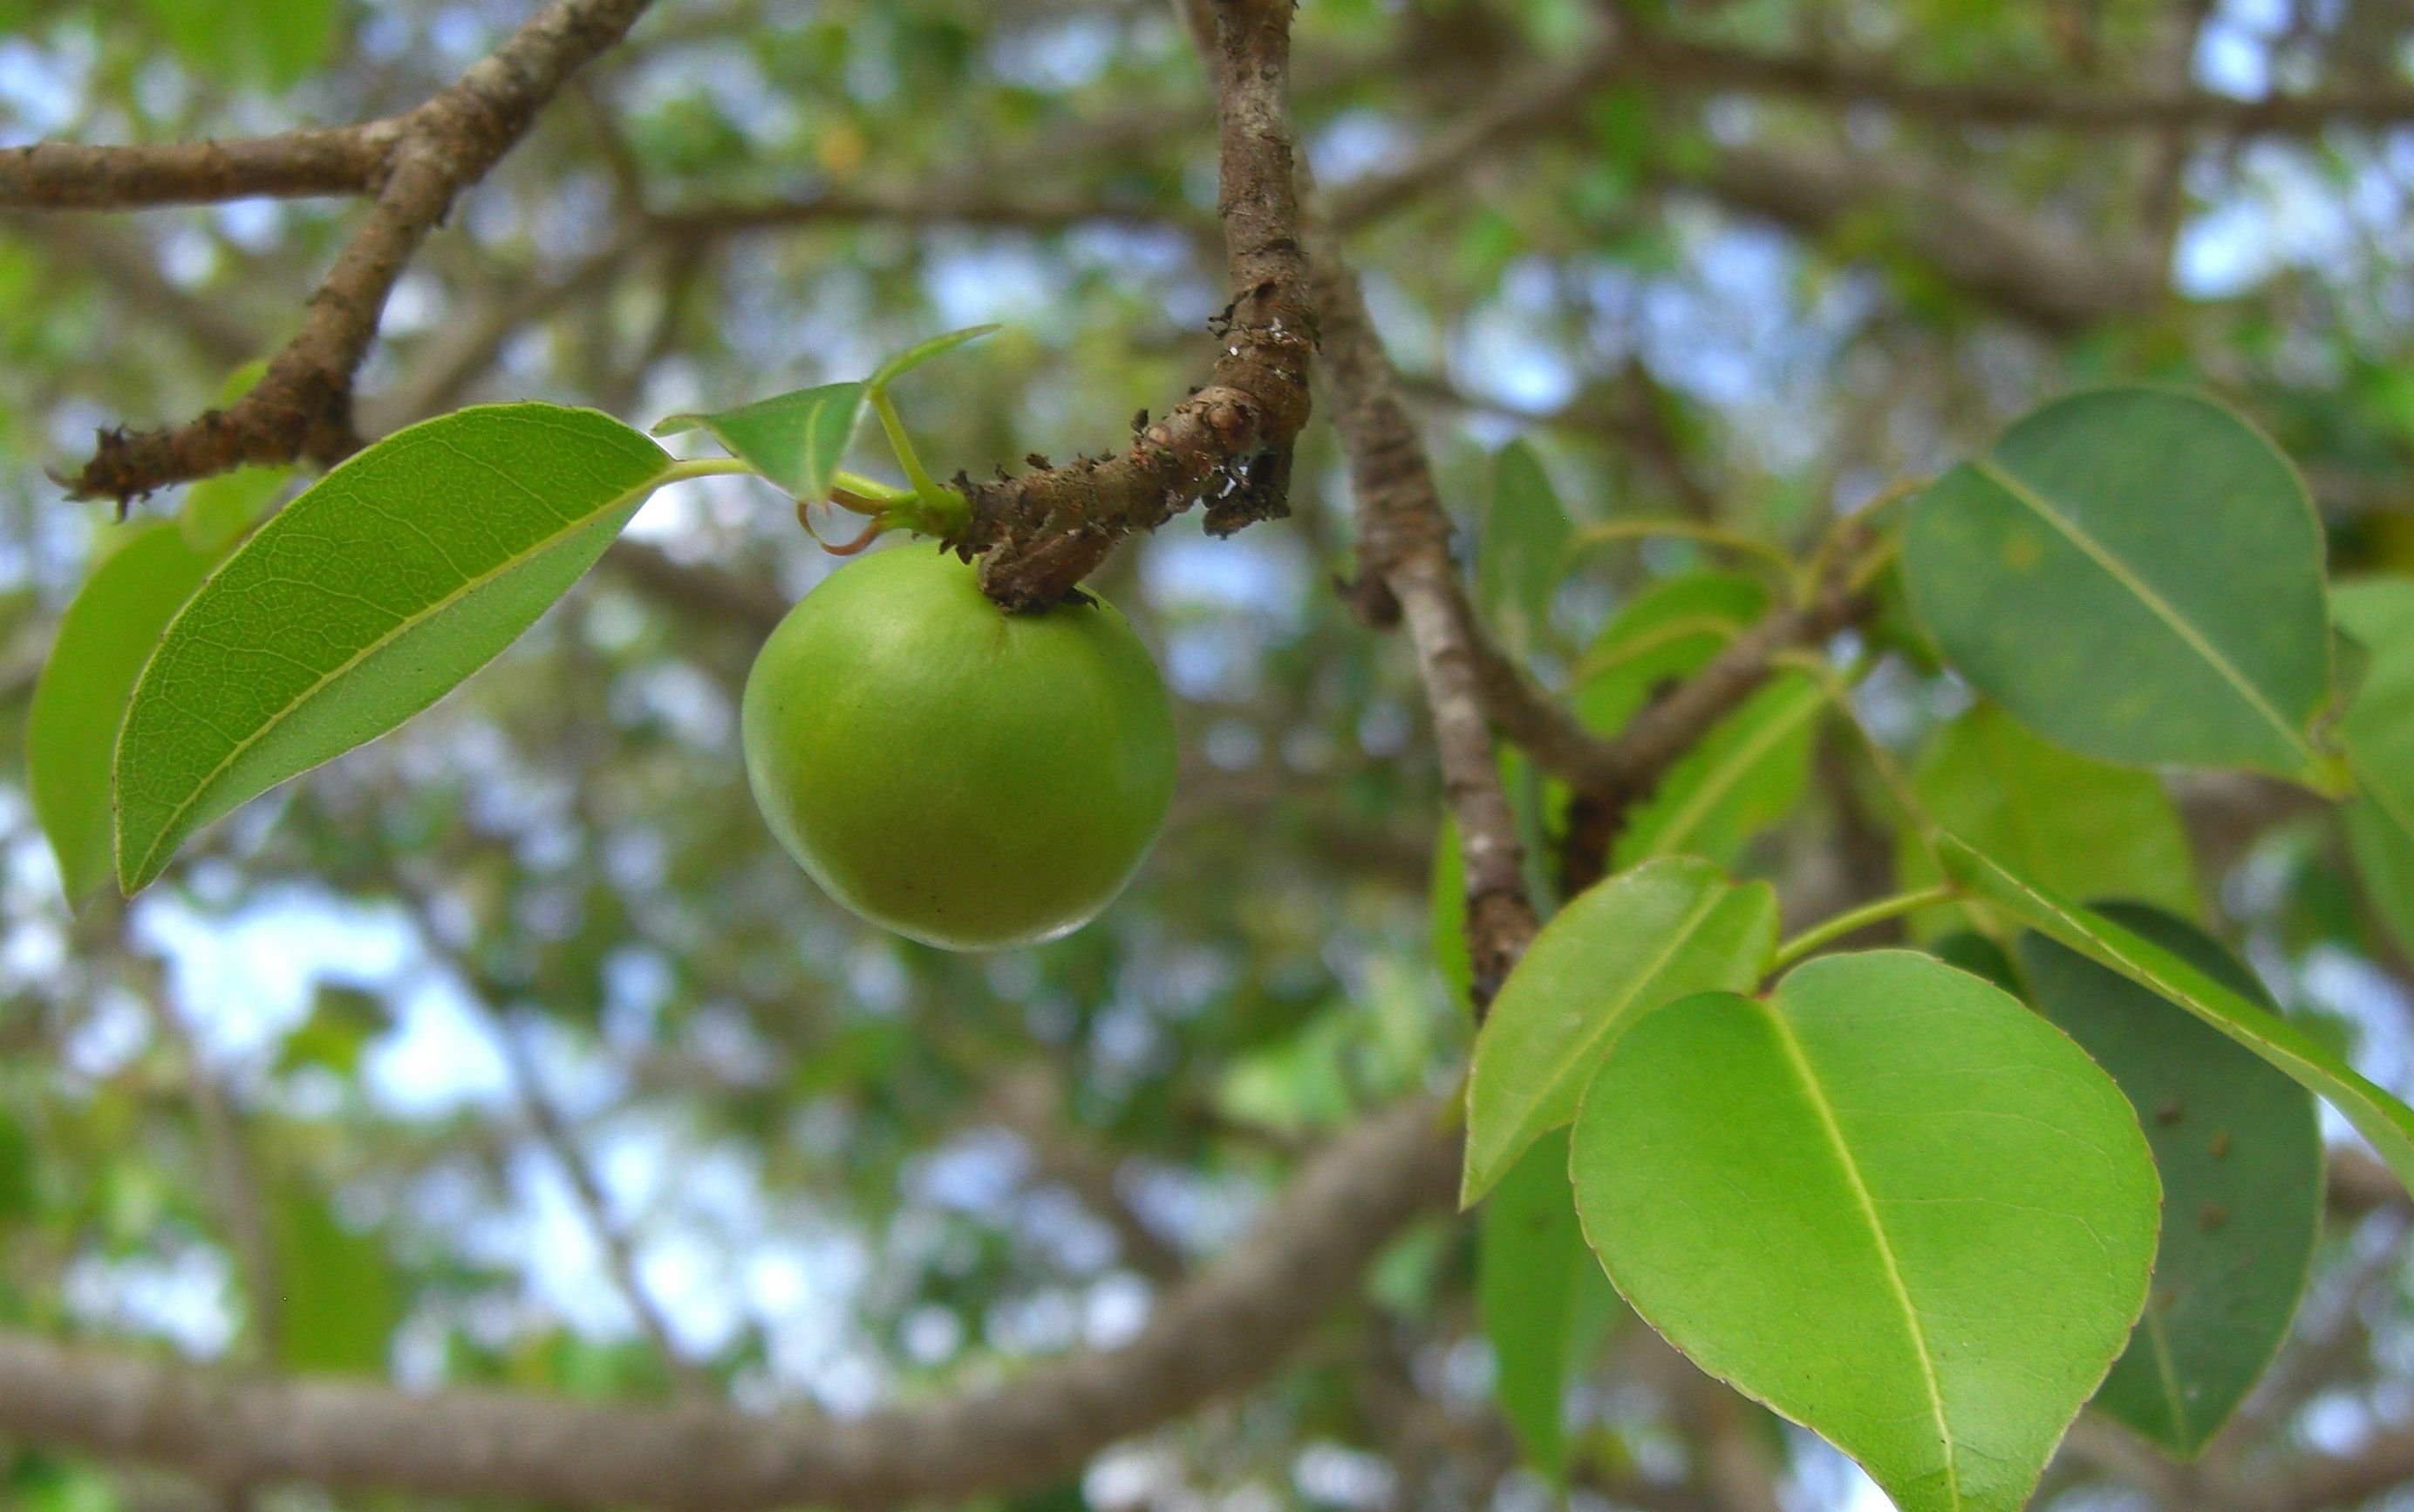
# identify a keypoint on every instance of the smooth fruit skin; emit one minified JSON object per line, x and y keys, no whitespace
{"x":963,"y":776}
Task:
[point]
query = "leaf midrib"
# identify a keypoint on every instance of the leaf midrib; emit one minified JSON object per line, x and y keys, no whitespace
{"x":2155,"y":604}
{"x":400,"y":628}
{"x":1796,"y":1057}
{"x":2344,"y":1078}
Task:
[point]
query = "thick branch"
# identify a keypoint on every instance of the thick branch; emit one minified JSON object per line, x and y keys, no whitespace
{"x":1228,"y":1328}
{"x":1230,"y":443}
{"x":302,"y":407}
{"x":1406,"y":573}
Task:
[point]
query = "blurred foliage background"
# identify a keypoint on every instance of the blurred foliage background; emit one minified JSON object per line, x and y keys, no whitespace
{"x":547,"y":1068}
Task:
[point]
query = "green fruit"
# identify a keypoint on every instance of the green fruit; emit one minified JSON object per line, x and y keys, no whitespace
{"x":966,"y":777}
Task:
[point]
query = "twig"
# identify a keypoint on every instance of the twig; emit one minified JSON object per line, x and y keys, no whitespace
{"x":1610,"y":779}
{"x":611,"y":1238}
{"x":302,"y":407}
{"x":59,"y":176}
{"x":235,"y":1188}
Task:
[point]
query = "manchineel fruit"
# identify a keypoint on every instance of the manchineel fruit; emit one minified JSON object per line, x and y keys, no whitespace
{"x":963,"y":776}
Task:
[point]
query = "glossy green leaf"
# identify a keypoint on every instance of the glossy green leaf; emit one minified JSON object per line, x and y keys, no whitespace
{"x":2084,"y":827}
{"x":2378,"y":733}
{"x":795,"y":439}
{"x":1540,"y":1296}
{"x":922,"y":351}
{"x":104,"y":639}
{"x":1671,"y":631}
{"x":2136,"y":576}
{"x":1622,"y":948}
{"x":368,"y":599}
{"x":1746,"y":775}
{"x":1524,"y":546}
{"x":339,"y":1299}
{"x":2240,"y":1151}
{"x":2376,"y":1115}
{"x":1890,"y":1202}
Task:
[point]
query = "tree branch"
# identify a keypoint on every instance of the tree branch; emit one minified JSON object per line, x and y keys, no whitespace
{"x":2028,"y":102}
{"x":1610,"y":779}
{"x":60,"y":175}
{"x":611,"y":1238}
{"x":1231,"y":443}
{"x":301,"y":407}
{"x":1237,"y":1320}
{"x":1405,"y":572}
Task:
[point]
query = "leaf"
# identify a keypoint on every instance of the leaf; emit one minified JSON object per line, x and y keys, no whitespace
{"x":339,"y":1299}
{"x":1743,"y":777}
{"x":105,"y":637}
{"x":1540,"y":1296}
{"x":795,"y":439}
{"x":2381,"y":1118}
{"x":275,"y":42}
{"x":1622,"y":948}
{"x":2136,"y":576}
{"x":1669,"y":631}
{"x":368,"y":598}
{"x":2082,"y":826}
{"x":920,"y":352}
{"x":1524,"y":546}
{"x":2240,"y":1151}
{"x":2378,"y":733}
{"x":1890,"y":1202}
{"x":1447,"y":906}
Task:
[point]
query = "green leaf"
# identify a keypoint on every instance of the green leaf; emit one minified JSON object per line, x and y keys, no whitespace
{"x":1524,"y":546}
{"x":1540,"y":1296}
{"x":1622,"y":948}
{"x":1890,"y":1202}
{"x":342,"y":1021}
{"x":2136,"y":576}
{"x":1447,"y":906}
{"x":920,"y":352}
{"x":2240,"y":1151}
{"x":1745,"y":774}
{"x":795,"y":439}
{"x":2083,"y":827}
{"x":2378,"y":733}
{"x":272,"y":42}
{"x":2381,"y":1118}
{"x":368,"y":598}
{"x":104,"y":639}
{"x":1669,"y":631}
{"x":338,"y":1298}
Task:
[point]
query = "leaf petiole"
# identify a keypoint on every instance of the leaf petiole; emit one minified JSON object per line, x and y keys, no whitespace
{"x":1851,"y":919}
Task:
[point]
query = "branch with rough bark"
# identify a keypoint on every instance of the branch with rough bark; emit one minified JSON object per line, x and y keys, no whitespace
{"x":416,"y":165}
{"x":1224,"y":1328}
{"x":1229,"y":443}
{"x":1407,"y":574}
